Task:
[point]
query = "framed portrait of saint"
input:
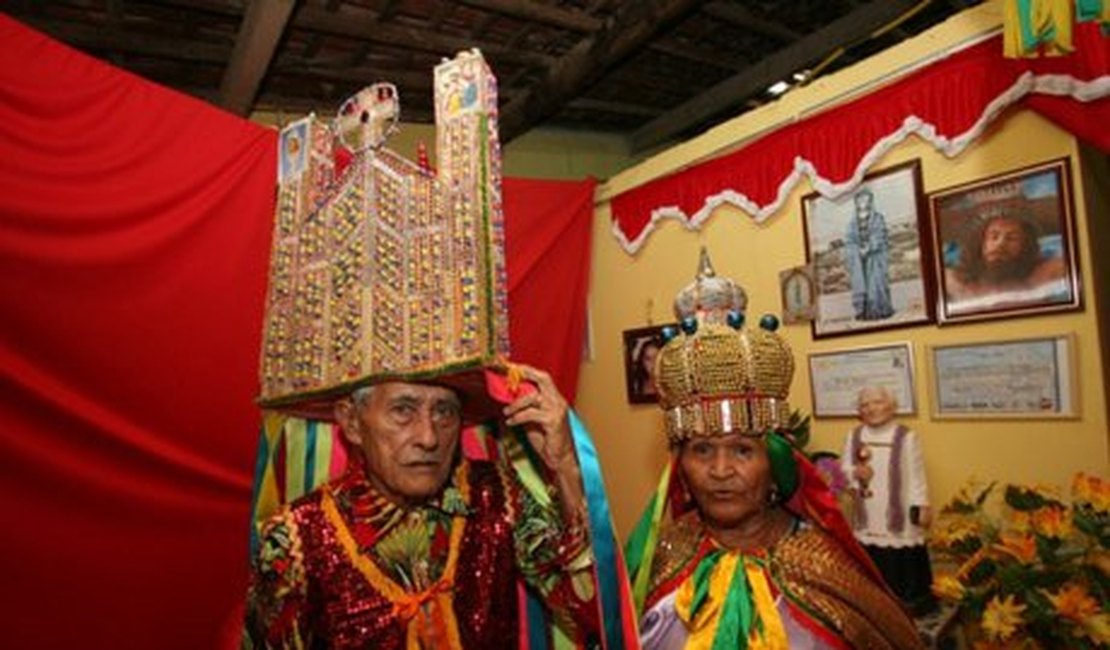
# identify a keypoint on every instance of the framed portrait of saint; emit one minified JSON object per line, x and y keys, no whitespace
{"x":870,"y":253}
{"x":641,"y":346}
{"x":1005,"y":245}
{"x":799,"y":294}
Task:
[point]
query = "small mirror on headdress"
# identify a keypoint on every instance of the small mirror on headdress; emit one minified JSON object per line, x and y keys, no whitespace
{"x":367,"y":118}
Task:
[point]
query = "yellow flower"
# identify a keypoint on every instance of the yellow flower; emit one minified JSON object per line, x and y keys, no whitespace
{"x":1052,"y":521}
{"x":1073,"y":602}
{"x":1097,"y":628}
{"x":1101,"y":561}
{"x":1020,"y":521}
{"x":948,"y":587}
{"x":1081,"y":488}
{"x":1021,"y":546}
{"x":1002,"y":618}
{"x":956,"y":532}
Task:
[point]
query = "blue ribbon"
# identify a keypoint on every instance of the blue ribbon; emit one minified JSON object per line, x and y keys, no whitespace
{"x":604,"y":538}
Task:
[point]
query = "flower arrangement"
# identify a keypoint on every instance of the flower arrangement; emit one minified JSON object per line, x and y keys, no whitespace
{"x":1035,"y":576}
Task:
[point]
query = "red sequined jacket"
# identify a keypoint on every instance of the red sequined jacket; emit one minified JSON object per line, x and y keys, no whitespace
{"x":343,"y":568}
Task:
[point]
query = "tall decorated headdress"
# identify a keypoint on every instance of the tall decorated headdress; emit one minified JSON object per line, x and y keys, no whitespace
{"x":382,"y":268}
{"x":714,"y":375}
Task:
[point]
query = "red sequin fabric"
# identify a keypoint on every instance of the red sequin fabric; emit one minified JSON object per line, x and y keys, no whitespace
{"x":306,"y":592}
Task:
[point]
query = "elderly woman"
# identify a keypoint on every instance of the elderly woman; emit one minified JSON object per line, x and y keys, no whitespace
{"x":743,"y":545}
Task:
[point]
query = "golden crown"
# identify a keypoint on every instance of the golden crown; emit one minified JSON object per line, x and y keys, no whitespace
{"x":716,"y":377}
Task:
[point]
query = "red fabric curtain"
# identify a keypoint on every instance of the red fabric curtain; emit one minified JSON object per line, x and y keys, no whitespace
{"x":134,"y":236}
{"x":949,"y":104}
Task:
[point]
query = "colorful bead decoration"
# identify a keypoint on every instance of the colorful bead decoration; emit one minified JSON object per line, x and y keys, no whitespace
{"x":390,"y":269}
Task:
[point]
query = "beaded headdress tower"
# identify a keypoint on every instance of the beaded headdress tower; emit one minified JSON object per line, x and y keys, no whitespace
{"x":383,"y":268}
{"x":716,"y":377}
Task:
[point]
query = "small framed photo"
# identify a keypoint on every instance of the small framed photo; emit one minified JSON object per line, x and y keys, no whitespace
{"x":1023,"y":378}
{"x":870,"y":253}
{"x":837,"y":377}
{"x":1006,"y":245}
{"x":798,"y":291}
{"x":641,"y":346}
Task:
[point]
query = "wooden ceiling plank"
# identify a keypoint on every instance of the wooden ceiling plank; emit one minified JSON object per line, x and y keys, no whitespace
{"x":129,"y":42}
{"x":631,"y":27}
{"x":259,"y":33}
{"x":620,"y":108}
{"x":575,"y":21}
{"x":362,"y":24}
{"x":732,"y":92}
{"x":698,"y":55}
{"x":741,"y":17}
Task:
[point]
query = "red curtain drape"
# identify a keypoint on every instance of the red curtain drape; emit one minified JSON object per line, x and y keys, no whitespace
{"x":949,"y":103}
{"x":134,"y":237}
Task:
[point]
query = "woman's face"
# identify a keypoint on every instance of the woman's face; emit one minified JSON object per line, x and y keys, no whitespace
{"x":729,"y":478}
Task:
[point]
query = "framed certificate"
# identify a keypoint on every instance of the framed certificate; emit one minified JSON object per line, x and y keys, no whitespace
{"x":1025,"y":378}
{"x":837,"y":377}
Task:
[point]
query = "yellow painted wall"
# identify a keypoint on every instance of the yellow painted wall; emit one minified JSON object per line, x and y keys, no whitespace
{"x":539,"y":153}
{"x":629,"y":438}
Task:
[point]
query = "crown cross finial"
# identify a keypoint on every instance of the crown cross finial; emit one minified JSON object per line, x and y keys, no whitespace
{"x":705,"y":267}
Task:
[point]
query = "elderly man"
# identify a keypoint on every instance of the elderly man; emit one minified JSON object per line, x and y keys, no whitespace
{"x":890,"y":497}
{"x":387,"y":313}
{"x":417,"y":547}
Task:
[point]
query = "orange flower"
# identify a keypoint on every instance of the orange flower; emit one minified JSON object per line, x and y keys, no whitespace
{"x":1101,"y":560}
{"x":948,"y":587}
{"x":1002,"y":618}
{"x":1073,"y":602}
{"x":1092,"y":490}
{"x":1021,"y":546}
{"x":1052,"y":521}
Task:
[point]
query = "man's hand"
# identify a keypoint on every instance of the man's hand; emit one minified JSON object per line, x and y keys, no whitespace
{"x":863,"y":472}
{"x":543,"y":414}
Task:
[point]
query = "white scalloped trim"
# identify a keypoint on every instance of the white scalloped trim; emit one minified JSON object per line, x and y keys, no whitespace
{"x":1026,"y":83}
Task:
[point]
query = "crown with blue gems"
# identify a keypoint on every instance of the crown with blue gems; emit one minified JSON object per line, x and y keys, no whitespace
{"x":716,"y":377}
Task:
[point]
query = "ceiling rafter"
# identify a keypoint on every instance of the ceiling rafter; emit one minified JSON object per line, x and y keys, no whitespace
{"x":629,"y":29}
{"x":576,"y":21}
{"x":730,"y":93}
{"x":259,"y":33}
{"x":363,"y":24}
{"x":739,"y":16}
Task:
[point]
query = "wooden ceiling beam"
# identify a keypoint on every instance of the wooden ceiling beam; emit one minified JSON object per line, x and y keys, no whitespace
{"x":741,"y":17}
{"x":315,"y":69}
{"x":362,"y":24}
{"x":608,"y":106}
{"x":630,"y":28}
{"x":575,"y":21}
{"x":259,"y":33}
{"x":732,"y":92}
{"x":129,"y":42}
{"x":698,"y":55}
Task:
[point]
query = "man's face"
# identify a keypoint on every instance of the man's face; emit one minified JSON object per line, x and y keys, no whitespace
{"x":1003,"y":241}
{"x":728,"y":476}
{"x":409,"y":434}
{"x":863,"y":201}
{"x":876,"y":408}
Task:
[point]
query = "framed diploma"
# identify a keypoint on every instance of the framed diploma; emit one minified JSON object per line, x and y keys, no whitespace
{"x":1025,"y":378}
{"x":836,"y":378}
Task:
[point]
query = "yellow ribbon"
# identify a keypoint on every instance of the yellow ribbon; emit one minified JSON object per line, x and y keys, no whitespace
{"x":409,"y":607}
{"x":774,"y":632}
